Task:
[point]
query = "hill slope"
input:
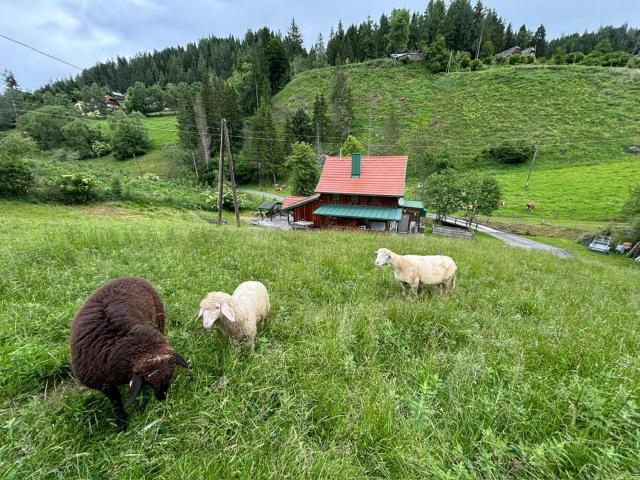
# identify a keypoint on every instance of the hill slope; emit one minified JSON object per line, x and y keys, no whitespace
{"x":529,"y":370}
{"x":578,"y":115}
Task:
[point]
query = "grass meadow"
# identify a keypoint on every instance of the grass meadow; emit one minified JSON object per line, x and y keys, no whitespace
{"x":529,"y":370}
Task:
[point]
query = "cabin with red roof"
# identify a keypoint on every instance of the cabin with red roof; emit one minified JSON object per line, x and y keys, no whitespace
{"x":356,"y":192}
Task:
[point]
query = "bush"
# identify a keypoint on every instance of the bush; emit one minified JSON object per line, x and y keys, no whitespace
{"x":352,"y":145}
{"x":634,"y":62}
{"x":517,"y":59}
{"x":211,"y":198}
{"x":115,"y":191}
{"x":45,"y":124}
{"x":475,"y":65}
{"x":129,"y":136}
{"x":64,"y":155}
{"x":100,"y":148}
{"x":509,"y":153}
{"x":17,"y":147}
{"x":16,"y":177}
{"x":80,"y":137}
{"x":77,"y":188}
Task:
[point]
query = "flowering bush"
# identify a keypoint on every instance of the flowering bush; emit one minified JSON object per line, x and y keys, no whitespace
{"x":211,"y":198}
{"x":77,"y":188}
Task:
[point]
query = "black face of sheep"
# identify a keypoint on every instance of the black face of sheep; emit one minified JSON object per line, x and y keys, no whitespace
{"x":156,"y":372}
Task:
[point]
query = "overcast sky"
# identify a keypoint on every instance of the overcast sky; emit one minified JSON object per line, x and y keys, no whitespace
{"x":85,"y":31}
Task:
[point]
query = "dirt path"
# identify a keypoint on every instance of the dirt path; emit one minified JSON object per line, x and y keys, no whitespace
{"x":275,"y":196}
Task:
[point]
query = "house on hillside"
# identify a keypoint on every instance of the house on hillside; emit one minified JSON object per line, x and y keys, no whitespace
{"x":527,"y":52}
{"x":357,"y":192}
{"x":115,"y":100}
{"x":413,"y":55}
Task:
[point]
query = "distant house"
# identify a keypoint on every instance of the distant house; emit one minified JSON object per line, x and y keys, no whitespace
{"x":413,"y":55}
{"x":357,"y":192}
{"x":115,"y":100}
{"x":527,"y":52}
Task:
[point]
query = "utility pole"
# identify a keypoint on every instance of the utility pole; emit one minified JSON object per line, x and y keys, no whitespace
{"x":15,"y":112}
{"x":220,"y":172}
{"x":481,"y":31}
{"x":535,"y":154}
{"x":369,"y":144}
{"x":236,"y":207}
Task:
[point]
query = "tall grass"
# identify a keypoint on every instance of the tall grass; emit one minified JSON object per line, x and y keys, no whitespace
{"x":529,"y":370}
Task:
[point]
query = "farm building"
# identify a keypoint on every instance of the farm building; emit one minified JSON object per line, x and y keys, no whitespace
{"x":359,"y":192}
{"x":527,"y":52}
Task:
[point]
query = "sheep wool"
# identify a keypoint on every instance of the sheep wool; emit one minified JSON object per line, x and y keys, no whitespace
{"x":416,"y":270}
{"x":117,"y":338}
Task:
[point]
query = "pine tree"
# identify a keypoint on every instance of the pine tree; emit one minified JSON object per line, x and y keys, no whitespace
{"x":302,"y":169}
{"x":509,"y":38}
{"x":293,"y":41}
{"x":434,"y":22}
{"x":320,"y":119}
{"x":265,"y":147}
{"x":278,"y":63}
{"x":523,"y":37}
{"x":10,"y":82}
{"x":539,"y":41}
{"x":342,"y":100}
{"x":398,"y":37}
{"x":321,"y":53}
{"x":298,"y":128}
{"x":458,"y":25}
{"x":381,"y":36}
{"x":478,"y":24}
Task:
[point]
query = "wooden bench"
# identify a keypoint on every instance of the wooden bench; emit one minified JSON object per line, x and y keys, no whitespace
{"x":452,"y":232}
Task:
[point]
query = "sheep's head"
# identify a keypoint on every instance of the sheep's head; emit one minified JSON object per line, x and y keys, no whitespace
{"x":156,"y":371}
{"x":210,"y":308}
{"x":383,"y":255}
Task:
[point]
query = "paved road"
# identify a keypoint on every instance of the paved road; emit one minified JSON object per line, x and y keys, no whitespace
{"x":275,"y":196}
{"x":514,"y":240}
{"x":510,"y":239}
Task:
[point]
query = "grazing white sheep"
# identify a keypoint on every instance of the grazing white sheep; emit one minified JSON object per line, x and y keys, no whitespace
{"x":415,"y":269}
{"x":240,"y":313}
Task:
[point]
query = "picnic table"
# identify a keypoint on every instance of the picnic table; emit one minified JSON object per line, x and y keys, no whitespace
{"x":302,"y":225}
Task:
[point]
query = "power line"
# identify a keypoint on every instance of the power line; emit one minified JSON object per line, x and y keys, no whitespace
{"x":41,"y":52}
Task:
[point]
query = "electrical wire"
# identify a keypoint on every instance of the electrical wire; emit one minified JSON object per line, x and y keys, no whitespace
{"x":40,"y":52}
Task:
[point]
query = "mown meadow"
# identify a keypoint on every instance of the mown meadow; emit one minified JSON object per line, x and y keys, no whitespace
{"x":529,"y":370}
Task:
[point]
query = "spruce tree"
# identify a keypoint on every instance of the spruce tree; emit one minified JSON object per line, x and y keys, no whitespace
{"x":342,"y":100}
{"x":293,"y":41}
{"x":539,"y":41}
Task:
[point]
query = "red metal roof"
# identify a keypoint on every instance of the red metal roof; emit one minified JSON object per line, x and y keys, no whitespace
{"x":293,"y":200}
{"x":380,"y":176}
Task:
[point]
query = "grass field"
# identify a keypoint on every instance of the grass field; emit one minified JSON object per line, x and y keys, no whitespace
{"x":530,"y":370}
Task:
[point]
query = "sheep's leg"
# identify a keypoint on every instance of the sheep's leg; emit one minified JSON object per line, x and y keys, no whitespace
{"x":404,"y":289}
{"x":113,"y":394}
{"x":414,"y":288}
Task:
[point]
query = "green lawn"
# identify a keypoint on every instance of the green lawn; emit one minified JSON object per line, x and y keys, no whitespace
{"x":529,"y":370}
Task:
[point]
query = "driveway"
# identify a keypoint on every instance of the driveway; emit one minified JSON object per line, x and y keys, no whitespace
{"x":514,"y":240}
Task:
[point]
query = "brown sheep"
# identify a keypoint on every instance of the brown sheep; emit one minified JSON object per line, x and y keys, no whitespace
{"x":117,"y":338}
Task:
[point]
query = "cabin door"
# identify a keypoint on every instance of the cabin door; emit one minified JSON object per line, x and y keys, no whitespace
{"x":404,"y":224}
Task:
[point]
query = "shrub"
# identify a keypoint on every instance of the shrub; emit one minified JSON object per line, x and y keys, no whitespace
{"x":510,"y":153}
{"x":80,"y":137}
{"x":64,"y":155}
{"x":129,"y":136}
{"x":100,"y":148}
{"x":77,"y":188}
{"x":17,"y":146}
{"x":517,"y":59}
{"x":211,"y":198}
{"x":501,"y":60}
{"x":634,"y":62}
{"x":436,"y":55}
{"x":115,"y":191}
{"x":45,"y":124}
{"x":352,"y":145}
{"x":475,"y":65}
{"x":16,"y":177}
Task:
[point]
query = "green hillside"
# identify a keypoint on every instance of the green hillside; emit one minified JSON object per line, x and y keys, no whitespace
{"x":529,"y":370}
{"x":580,"y":116}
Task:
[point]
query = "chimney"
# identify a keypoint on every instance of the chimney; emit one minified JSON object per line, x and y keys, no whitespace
{"x":356,"y":159}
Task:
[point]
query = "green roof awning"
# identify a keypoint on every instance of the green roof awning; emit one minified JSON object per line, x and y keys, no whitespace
{"x":416,"y":204}
{"x":358,"y":211}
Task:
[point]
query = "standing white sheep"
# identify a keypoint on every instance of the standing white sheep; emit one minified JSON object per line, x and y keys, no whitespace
{"x":240,"y":313}
{"x":415,"y":269}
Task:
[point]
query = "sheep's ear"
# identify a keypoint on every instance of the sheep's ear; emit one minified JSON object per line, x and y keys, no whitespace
{"x":136,"y":385}
{"x":182,"y":362}
{"x":228,"y":312}
{"x":200,"y":313}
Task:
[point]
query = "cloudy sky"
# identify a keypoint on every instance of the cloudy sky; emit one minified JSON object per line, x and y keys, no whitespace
{"x":85,"y":31}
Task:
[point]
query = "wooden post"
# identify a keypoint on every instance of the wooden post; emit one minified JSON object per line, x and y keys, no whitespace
{"x":535,"y":154}
{"x":220,"y":172}
{"x":236,"y":207}
{"x":449,"y":64}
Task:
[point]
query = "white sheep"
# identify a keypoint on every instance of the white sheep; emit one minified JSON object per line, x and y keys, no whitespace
{"x":415,"y":269}
{"x":240,"y":313}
